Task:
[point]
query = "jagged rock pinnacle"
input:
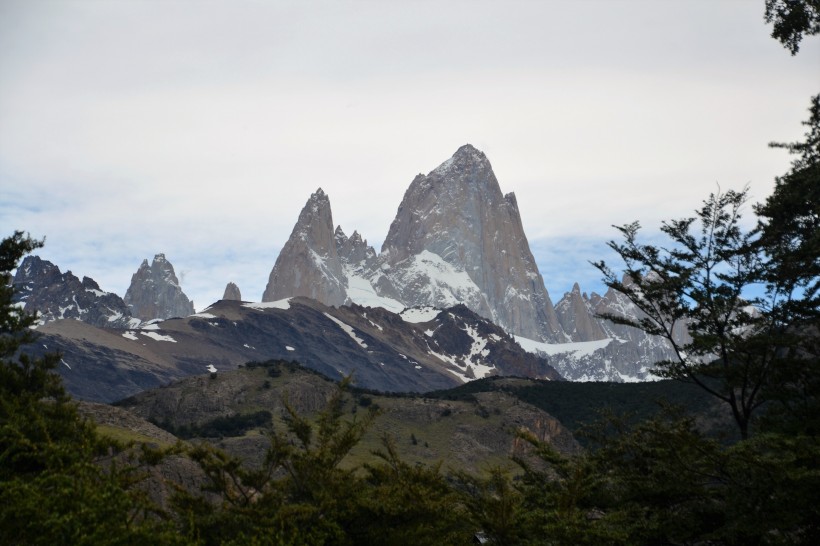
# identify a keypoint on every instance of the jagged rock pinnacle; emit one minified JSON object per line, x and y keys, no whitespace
{"x":155,"y":293}
{"x":232,"y":292}
{"x":577,"y":317}
{"x":458,"y":213}
{"x":309,"y":264}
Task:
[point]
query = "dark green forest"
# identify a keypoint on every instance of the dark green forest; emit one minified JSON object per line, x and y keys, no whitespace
{"x":650,"y":473}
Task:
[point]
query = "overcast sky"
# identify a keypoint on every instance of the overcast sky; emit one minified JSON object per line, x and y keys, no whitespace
{"x":200,"y":128}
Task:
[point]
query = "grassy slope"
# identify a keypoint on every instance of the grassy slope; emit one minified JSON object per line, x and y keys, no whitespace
{"x":471,"y":427}
{"x":461,"y":434}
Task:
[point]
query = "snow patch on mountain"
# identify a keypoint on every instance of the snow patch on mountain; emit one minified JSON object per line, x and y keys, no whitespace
{"x":349,"y":329}
{"x":261,"y":306}
{"x":361,"y":292}
{"x":418,"y":315}
{"x":158,"y":337}
{"x":428,"y":278}
{"x":150,"y":325}
{"x":577,"y":349}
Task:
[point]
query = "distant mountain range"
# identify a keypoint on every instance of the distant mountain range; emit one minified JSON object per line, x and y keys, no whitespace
{"x":457,"y":239}
{"x":454,"y":295}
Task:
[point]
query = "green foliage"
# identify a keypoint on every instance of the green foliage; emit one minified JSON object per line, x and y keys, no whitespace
{"x":792,"y":19}
{"x":698,"y":281}
{"x":409,"y":504}
{"x":579,"y":405}
{"x":233,"y":425}
{"x":53,"y":488}
{"x":789,"y":229}
{"x":299,"y":496}
{"x":662,"y":482}
{"x":495,"y":506}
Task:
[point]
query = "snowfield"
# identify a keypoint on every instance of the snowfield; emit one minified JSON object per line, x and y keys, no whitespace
{"x":349,"y":329}
{"x":579,"y":348}
{"x":361,"y":292}
{"x":418,"y":315}
{"x":261,"y":306}
{"x":158,"y":337}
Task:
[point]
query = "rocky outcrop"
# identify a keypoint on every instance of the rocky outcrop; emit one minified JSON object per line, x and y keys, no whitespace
{"x":232,"y":292}
{"x":456,"y":239}
{"x":40,"y":287}
{"x":309,"y":264}
{"x":155,"y":293}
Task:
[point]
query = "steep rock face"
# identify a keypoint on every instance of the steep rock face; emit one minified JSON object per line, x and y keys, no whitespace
{"x":309,"y":264}
{"x":577,"y":317}
{"x":615,"y":303}
{"x":630,"y":353}
{"x":41,"y":287}
{"x":457,"y":238}
{"x":353,"y":251}
{"x":232,"y":292}
{"x":155,"y":293}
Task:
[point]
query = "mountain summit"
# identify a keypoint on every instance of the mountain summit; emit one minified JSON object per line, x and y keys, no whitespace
{"x":309,"y":263}
{"x":155,"y":293}
{"x":455,"y":222}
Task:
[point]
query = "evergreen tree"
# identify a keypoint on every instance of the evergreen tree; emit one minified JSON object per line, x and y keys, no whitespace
{"x":300,"y":495}
{"x":53,"y":490}
{"x":789,"y":238}
{"x":791,"y":19}
{"x":700,"y":280}
{"x":406,"y":504}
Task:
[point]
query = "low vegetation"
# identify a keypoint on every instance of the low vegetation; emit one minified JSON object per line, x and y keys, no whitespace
{"x":234,"y":425}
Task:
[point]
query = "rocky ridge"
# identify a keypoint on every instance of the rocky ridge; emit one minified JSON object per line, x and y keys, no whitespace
{"x":577,"y":318}
{"x":456,"y":240}
{"x":607,"y":351}
{"x":418,"y":350}
{"x":455,"y":221}
{"x":40,"y":287}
